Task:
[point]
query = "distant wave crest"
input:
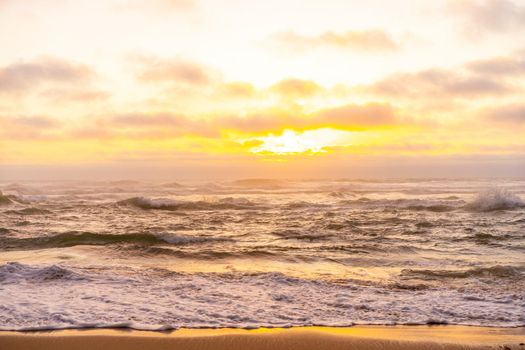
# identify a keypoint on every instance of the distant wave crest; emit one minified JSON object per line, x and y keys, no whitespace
{"x":173,"y":205}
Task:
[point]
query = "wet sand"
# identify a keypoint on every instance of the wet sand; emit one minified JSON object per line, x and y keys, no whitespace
{"x":303,"y":338}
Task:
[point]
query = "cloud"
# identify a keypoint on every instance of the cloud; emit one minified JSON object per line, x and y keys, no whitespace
{"x":159,"y":6}
{"x":434,"y":83}
{"x":153,"y":70}
{"x":363,"y":41}
{"x":514,"y":114}
{"x":486,"y":16}
{"x":27,"y":127}
{"x":30,"y":122}
{"x":296,"y":88}
{"x":359,"y":115}
{"x":141,"y":120}
{"x":260,"y":122}
{"x":75,"y":95}
{"x":237,"y":90}
{"x":175,"y":4}
{"x":502,"y":66}
{"x":22,"y":76}
{"x":351,"y":116}
{"x":164,"y":124}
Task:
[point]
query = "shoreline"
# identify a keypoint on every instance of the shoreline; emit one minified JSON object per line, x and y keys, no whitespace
{"x":428,"y":337}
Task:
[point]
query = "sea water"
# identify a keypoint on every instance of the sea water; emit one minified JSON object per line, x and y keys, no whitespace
{"x":261,"y":252}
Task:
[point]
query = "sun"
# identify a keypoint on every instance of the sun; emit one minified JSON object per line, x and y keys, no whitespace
{"x":308,"y":141}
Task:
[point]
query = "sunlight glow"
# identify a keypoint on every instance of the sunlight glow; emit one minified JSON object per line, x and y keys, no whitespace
{"x":309,"y":141}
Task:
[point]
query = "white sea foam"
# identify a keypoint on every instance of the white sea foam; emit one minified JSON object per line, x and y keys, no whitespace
{"x":56,"y":297}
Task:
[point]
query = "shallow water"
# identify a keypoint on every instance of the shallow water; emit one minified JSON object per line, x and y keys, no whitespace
{"x":256,"y":253}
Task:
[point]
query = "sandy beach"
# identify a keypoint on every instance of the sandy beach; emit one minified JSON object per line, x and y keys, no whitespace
{"x":359,"y":337}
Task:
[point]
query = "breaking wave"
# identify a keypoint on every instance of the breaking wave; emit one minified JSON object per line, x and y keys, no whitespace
{"x":29,"y":211}
{"x":438,"y":208}
{"x":433,"y":205}
{"x":14,"y":272}
{"x":495,"y":199}
{"x":5,"y":200}
{"x":299,"y":235}
{"x":500,"y":271}
{"x":208,"y":254}
{"x":229,"y":203}
{"x":70,"y":239}
{"x":303,"y":205}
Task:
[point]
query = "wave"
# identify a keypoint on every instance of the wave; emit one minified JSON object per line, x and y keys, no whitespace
{"x":438,"y":208}
{"x":229,"y":203}
{"x":302,"y":236}
{"x":27,"y":199}
{"x":424,"y":224}
{"x":209,"y":254}
{"x":5,"y":200}
{"x":487,"y":238}
{"x":500,"y":271}
{"x":172,"y":185}
{"x":434,"y":205}
{"x":29,"y":211}
{"x":260,"y":183}
{"x":303,"y":205}
{"x":21,"y":189}
{"x":338,"y":194}
{"x":125,"y":183}
{"x":155,"y":298}
{"x":495,"y":199}
{"x":14,"y":272}
{"x":74,"y":238}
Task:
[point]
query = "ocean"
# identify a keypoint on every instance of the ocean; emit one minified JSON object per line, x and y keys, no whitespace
{"x":261,"y":253}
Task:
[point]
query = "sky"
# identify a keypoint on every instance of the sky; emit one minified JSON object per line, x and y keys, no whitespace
{"x":244,"y":88}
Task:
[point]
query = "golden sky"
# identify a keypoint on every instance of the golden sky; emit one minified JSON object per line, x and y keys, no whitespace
{"x":246,"y":86}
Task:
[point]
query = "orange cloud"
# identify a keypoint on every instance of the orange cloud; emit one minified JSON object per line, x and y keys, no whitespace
{"x":514,"y":114}
{"x":163,"y":125}
{"x":174,"y":70}
{"x":502,"y":66}
{"x":159,"y":6}
{"x":351,"y":117}
{"x":364,"y":41}
{"x":296,"y":88}
{"x":22,"y":76}
{"x":238,"y":90}
{"x":75,"y":95}
{"x":27,"y":127}
{"x":359,"y":115}
{"x":438,"y":82}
